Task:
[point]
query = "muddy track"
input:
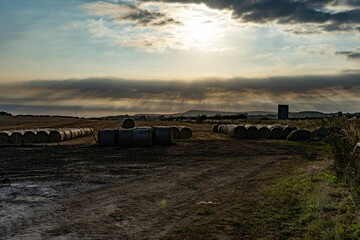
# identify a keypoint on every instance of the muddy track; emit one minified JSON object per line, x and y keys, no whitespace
{"x":105,"y":193}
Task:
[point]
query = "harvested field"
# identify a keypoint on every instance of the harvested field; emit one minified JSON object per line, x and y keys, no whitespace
{"x":207,"y":187}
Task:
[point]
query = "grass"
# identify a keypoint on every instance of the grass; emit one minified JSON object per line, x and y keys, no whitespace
{"x":302,"y":201}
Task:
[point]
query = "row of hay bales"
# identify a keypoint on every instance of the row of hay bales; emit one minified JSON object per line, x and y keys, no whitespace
{"x":263,"y":131}
{"x":142,"y":136}
{"x":43,"y":135}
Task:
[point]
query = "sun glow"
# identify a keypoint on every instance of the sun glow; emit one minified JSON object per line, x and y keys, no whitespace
{"x":200,"y":29}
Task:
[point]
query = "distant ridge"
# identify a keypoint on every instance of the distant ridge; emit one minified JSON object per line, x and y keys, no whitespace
{"x":194,"y":113}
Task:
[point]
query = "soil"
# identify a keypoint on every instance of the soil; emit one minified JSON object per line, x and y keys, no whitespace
{"x":203,"y":188}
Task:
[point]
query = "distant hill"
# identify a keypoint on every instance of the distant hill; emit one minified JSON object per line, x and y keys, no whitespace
{"x":5,"y":114}
{"x":194,"y":113}
{"x":310,"y":114}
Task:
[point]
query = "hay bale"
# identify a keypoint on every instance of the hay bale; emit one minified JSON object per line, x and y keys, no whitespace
{"x":88,"y":131}
{"x":75,"y":133}
{"x":221,"y":128}
{"x":83,"y":132}
{"x":185,"y":132}
{"x":252,"y":132}
{"x":287,"y":130}
{"x":299,"y":135}
{"x":128,"y":123}
{"x":16,"y":137}
{"x":29,"y":136}
{"x":107,"y":137}
{"x":320,"y":133}
{"x":175,"y":132}
{"x":125,"y":137}
{"x":275,"y":132}
{"x":237,"y":131}
{"x":42,"y":136}
{"x":162,"y":135}
{"x":264,"y":132}
{"x":215,"y":127}
{"x":142,"y":137}
{"x":56,"y":135}
{"x":5,"y":137}
{"x":67,"y":133}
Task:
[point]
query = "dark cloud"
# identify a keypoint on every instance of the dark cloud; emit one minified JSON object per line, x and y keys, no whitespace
{"x":148,"y":18}
{"x":325,"y":93}
{"x":289,"y":12}
{"x":352,"y":55}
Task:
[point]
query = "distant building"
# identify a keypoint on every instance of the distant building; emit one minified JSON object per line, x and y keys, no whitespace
{"x":283,"y":111}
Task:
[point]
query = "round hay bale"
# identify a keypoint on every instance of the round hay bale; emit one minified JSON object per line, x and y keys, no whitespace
{"x":88,"y":131}
{"x":142,"y":137}
{"x":299,"y":135}
{"x":220,"y":128}
{"x":264,"y":132}
{"x":287,"y":130}
{"x":237,"y":131}
{"x":75,"y":133}
{"x":175,"y":132}
{"x":215,"y":127}
{"x":125,"y":137}
{"x":320,"y":132}
{"x":16,"y":137}
{"x":128,"y":123}
{"x":162,"y":135}
{"x":5,"y":137}
{"x":185,"y":132}
{"x":252,"y":132}
{"x":42,"y":136}
{"x":83,"y":132}
{"x":67,"y":133}
{"x":107,"y":137}
{"x":29,"y":136}
{"x":56,"y":135}
{"x":275,"y":132}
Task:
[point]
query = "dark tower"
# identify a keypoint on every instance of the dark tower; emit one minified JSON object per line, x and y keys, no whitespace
{"x":283,"y":111}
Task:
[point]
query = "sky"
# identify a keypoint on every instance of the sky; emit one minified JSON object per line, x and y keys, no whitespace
{"x":110,"y":57}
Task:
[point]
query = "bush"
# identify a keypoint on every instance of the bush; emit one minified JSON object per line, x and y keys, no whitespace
{"x":342,"y":144}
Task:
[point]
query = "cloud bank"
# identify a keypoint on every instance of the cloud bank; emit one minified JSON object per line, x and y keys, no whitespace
{"x":327,"y":15}
{"x":113,"y":95}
